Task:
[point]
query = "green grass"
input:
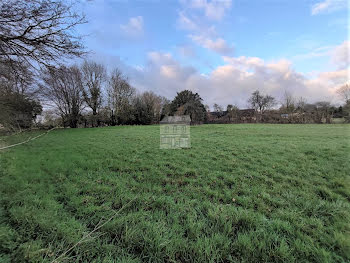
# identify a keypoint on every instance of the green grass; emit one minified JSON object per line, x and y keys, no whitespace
{"x":242,"y":193}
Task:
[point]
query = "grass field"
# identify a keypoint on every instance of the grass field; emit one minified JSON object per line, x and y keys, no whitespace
{"x":242,"y":193}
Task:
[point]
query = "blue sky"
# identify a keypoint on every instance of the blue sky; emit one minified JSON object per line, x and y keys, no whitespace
{"x":223,"y":49}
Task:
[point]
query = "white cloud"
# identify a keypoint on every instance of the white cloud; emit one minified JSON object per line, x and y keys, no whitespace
{"x":316,"y":52}
{"x":134,"y":27}
{"x":218,"y":45}
{"x":205,"y":35}
{"x":243,"y":75}
{"x":186,"y":51}
{"x":230,"y":83}
{"x":214,"y":9}
{"x":169,"y":71}
{"x":163,"y":75}
{"x":341,"y":55}
{"x":246,"y":74}
{"x":328,"y":6}
{"x":185,"y":22}
{"x":334,"y":77}
{"x":325,"y":84}
{"x":158,"y":58}
{"x":235,"y":80}
{"x":244,"y":62}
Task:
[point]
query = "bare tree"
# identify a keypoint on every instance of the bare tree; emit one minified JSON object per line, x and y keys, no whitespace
{"x":323,"y":111}
{"x":94,"y":75}
{"x":64,"y":88}
{"x":344,"y":92}
{"x":120,"y":94}
{"x":267,"y":103}
{"x":38,"y":32}
{"x":260,"y":102}
{"x":21,"y":84}
{"x":300,"y":104}
{"x":288,"y":103}
{"x":255,"y":100}
{"x":149,"y":107}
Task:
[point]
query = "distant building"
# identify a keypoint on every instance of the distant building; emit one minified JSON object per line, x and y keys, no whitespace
{"x":175,"y":132}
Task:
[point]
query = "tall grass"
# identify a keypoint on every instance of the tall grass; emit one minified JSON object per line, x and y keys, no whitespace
{"x":242,"y":193}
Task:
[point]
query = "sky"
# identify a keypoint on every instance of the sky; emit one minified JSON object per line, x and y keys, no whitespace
{"x":224,"y":50}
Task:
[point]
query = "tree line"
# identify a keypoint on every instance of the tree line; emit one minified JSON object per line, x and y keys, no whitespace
{"x":88,"y":96}
{"x":291,"y":109}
